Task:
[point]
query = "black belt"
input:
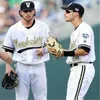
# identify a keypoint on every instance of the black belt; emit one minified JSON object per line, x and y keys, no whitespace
{"x":76,"y":64}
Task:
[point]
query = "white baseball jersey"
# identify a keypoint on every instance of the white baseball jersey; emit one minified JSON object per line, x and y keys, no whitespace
{"x":81,"y":74}
{"x":82,"y":36}
{"x":21,"y":39}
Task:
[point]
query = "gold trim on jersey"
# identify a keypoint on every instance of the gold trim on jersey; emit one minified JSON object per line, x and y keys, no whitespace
{"x":72,"y":45}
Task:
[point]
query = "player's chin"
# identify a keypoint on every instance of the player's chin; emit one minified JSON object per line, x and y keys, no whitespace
{"x":28,"y":19}
{"x":66,"y":20}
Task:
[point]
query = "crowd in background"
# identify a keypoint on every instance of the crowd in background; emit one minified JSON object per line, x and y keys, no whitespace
{"x":8,"y":14}
{"x":47,"y":10}
{"x":88,"y":3}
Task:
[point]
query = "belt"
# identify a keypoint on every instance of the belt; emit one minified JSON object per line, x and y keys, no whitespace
{"x":76,"y":64}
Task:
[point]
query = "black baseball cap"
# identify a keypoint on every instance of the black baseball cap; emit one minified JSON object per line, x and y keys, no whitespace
{"x":27,"y":5}
{"x":74,"y":7}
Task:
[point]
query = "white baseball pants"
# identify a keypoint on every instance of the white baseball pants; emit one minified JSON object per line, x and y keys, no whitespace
{"x":79,"y":81}
{"x":33,"y":76}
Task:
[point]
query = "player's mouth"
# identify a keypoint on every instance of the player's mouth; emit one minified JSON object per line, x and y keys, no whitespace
{"x":28,"y":16}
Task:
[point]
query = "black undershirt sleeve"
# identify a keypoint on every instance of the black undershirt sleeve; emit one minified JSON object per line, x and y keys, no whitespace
{"x":7,"y":50}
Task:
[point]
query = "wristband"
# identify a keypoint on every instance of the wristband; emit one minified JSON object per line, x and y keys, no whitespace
{"x":69,"y":53}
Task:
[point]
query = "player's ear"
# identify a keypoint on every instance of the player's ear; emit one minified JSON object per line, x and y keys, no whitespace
{"x":76,"y":14}
{"x":34,"y":12}
{"x":20,"y":13}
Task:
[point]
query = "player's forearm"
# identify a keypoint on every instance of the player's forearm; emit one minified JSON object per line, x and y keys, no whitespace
{"x":77,"y":52}
{"x":10,"y":55}
{"x":5,"y":56}
{"x":8,"y":69}
{"x":80,"y":52}
{"x":8,"y":66}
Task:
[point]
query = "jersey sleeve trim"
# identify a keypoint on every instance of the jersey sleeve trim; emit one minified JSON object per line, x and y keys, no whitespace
{"x":83,"y":45}
{"x":6,"y":47}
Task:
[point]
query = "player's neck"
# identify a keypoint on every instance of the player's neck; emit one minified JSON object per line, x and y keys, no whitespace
{"x":76,"y":22}
{"x":27,"y":24}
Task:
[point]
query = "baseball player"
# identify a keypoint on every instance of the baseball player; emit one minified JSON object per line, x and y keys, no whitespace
{"x":25,"y":40}
{"x":81,"y":53}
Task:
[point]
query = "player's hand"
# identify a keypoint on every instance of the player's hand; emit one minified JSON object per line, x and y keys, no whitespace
{"x":4,"y":56}
{"x":9,"y":69}
{"x":40,"y":52}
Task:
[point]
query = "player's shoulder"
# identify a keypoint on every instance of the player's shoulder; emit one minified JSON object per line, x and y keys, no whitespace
{"x":41,"y":23}
{"x":84,"y":24}
{"x":14,"y":26}
{"x":85,"y":27}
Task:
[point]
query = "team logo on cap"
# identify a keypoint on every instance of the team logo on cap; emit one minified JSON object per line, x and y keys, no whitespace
{"x":76,"y":9}
{"x":28,"y":5}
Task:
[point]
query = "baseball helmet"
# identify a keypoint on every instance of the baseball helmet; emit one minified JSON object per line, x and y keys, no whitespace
{"x":27,"y":5}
